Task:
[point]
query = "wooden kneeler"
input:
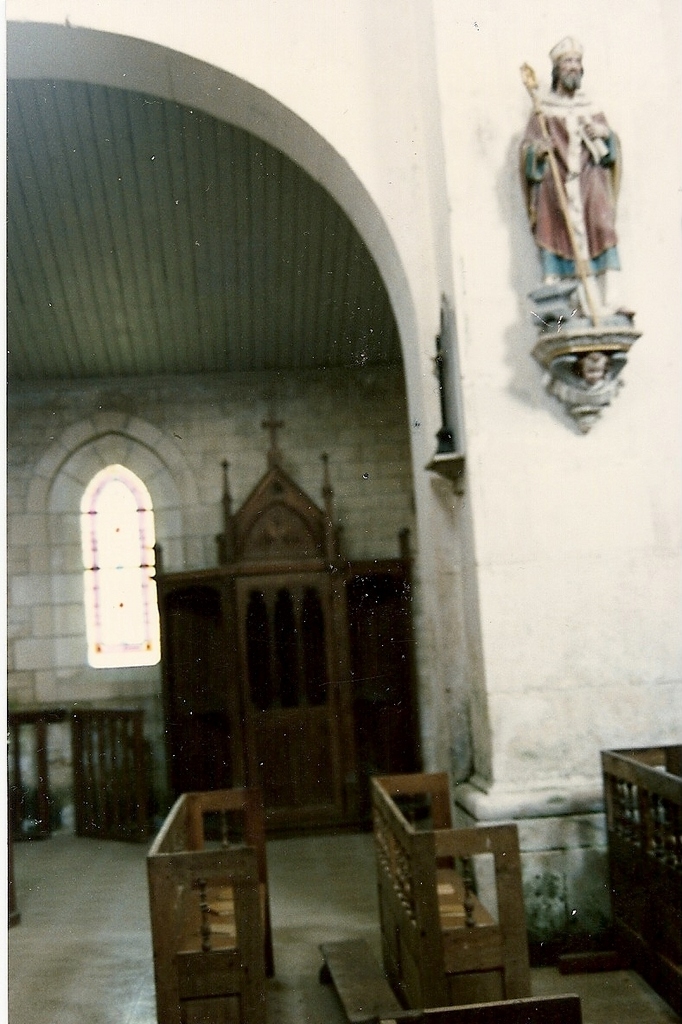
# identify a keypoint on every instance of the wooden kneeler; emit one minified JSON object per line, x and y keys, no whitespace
{"x":367,"y":997}
{"x":360,"y":983}
{"x":541,"y":1010}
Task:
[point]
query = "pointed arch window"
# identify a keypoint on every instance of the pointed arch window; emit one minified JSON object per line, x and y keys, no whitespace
{"x":117,"y":535}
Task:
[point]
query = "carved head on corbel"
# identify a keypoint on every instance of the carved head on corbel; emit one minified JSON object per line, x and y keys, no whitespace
{"x":592,"y":366}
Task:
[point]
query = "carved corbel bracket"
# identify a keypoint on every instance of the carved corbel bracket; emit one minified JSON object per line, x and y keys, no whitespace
{"x":449,"y":465}
{"x":448,"y":460}
{"x":583,"y":360}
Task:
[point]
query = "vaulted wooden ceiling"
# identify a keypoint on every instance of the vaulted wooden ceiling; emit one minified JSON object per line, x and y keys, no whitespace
{"x":147,"y":238}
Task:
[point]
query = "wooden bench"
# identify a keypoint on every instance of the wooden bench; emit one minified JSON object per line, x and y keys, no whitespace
{"x":441,"y":946}
{"x":643,"y":797}
{"x":210,"y":911}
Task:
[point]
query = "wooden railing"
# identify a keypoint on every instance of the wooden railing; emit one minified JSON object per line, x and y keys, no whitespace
{"x":643,"y":797}
{"x":441,"y":946}
{"x":110,"y":773}
{"x":36,"y":822}
{"x":210,"y":911}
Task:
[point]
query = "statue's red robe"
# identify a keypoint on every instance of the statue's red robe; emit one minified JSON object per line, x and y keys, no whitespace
{"x":597,"y":192}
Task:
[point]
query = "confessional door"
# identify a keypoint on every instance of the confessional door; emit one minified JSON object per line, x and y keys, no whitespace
{"x":382,"y":672}
{"x":293,"y":706}
{"x":201,"y":698}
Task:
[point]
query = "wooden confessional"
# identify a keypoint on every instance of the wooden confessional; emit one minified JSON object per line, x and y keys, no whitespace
{"x":288,"y":667}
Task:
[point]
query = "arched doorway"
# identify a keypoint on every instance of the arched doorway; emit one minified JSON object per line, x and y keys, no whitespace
{"x":105,"y":107}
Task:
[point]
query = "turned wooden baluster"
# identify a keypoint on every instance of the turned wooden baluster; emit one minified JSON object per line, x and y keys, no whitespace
{"x":668,"y":826}
{"x":658,"y":830}
{"x":647,"y":832}
{"x":632,"y":814}
{"x":673,"y":834}
{"x":205,"y":911}
{"x":469,"y":886}
{"x":621,"y":808}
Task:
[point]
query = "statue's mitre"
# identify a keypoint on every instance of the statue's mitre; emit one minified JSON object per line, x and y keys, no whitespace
{"x":568,"y":46}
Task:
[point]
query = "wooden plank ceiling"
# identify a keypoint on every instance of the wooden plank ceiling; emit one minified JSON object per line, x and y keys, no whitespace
{"x":147,"y":238}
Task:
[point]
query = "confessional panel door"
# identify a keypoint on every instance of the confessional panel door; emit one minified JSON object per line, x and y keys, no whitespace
{"x":291,"y":701}
{"x":200,"y":690}
{"x":382,"y":672}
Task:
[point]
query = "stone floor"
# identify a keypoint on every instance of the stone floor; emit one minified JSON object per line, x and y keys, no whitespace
{"x":82,"y":951}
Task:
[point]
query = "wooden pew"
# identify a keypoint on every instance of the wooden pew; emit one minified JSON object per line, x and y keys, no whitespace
{"x":441,"y":946}
{"x":541,"y":1010}
{"x":643,"y":797}
{"x":210,"y":911}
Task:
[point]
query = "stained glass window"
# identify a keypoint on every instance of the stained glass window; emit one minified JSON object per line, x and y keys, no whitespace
{"x":117,"y":535}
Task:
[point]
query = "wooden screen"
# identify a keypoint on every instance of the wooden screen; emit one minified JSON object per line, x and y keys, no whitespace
{"x":198,"y":690}
{"x":379,"y":614}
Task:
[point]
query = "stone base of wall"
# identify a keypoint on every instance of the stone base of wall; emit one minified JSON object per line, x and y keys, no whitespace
{"x":562,"y":836}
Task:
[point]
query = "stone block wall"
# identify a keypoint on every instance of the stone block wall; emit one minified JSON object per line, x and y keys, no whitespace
{"x":174,"y":435}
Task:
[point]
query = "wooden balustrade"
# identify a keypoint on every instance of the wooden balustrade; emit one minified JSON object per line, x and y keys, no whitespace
{"x":441,"y":945}
{"x":33,"y":822}
{"x":110,"y":773}
{"x":643,"y":797}
{"x":210,"y":911}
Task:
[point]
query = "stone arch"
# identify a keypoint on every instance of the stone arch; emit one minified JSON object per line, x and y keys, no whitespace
{"x":68,"y":465}
{"x":104,"y":54}
{"x":76,"y":438}
{"x":48,"y":649}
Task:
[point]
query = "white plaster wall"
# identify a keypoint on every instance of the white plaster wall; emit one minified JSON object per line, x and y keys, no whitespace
{"x":576,"y":538}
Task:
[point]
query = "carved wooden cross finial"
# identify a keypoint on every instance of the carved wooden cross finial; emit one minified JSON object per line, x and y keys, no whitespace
{"x":273,"y":425}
